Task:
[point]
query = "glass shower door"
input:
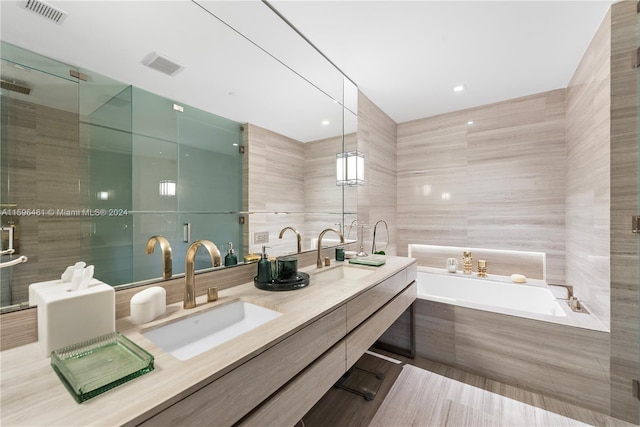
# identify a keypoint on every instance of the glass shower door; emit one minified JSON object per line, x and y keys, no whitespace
{"x":39,"y":159}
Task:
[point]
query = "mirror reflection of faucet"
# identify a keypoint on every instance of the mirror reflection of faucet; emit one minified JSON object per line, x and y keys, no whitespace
{"x":319,"y":262}
{"x":167,"y":257}
{"x":373,"y":246}
{"x":355,"y":222}
{"x":298,"y":237}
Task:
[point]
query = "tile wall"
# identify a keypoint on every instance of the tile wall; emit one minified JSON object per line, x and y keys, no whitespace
{"x":377,"y":199}
{"x":498,"y":183}
{"x":286,"y":175}
{"x":625,"y":257}
{"x":275,"y":184}
{"x":588,"y":171}
{"x":40,"y":179}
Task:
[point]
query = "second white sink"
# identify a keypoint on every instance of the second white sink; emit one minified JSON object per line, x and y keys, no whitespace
{"x":343,"y":272}
{"x":198,"y":333}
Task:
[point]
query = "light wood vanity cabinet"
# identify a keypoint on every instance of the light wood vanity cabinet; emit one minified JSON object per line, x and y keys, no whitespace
{"x":272,"y":376}
{"x":360,"y":308}
{"x":280,"y":385}
{"x":289,"y":404}
{"x":229,"y":398}
{"x":368,"y":332}
{"x":378,"y":307}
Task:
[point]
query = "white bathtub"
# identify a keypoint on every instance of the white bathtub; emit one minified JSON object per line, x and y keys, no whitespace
{"x":488,"y":294}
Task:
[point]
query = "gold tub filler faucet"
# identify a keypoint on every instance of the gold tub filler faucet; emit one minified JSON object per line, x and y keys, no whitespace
{"x":467,"y":266}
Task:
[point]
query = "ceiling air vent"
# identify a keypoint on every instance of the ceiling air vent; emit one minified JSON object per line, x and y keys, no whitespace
{"x":45,"y":10}
{"x":162,"y":63}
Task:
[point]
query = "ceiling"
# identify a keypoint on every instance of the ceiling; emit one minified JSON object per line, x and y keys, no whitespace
{"x":405,"y":56}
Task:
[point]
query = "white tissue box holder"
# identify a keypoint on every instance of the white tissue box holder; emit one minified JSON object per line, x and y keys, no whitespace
{"x":35,"y":289}
{"x":66,"y":318}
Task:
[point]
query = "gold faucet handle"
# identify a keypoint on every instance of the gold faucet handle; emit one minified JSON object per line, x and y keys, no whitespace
{"x":212,"y":294}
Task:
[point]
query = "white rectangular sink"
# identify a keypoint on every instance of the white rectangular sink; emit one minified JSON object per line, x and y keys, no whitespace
{"x":343,"y":272}
{"x":200,"y":332}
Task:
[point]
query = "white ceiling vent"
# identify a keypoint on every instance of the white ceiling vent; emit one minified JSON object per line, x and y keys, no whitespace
{"x":162,"y":63}
{"x":45,"y":10}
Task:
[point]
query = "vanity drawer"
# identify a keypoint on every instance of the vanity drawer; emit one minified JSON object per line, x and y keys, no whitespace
{"x":289,"y":405}
{"x":367,"y":333}
{"x":363,"y":306}
{"x":232,"y":396}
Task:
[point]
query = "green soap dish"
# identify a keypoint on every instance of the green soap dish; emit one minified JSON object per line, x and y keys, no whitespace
{"x":365,"y":261}
{"x":93,"y":367}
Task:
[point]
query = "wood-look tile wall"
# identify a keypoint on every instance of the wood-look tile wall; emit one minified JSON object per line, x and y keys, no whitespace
{"x":286,"y":175}
{"x":377,"y":199}
{"x":275,"y":183}
{"x":321,"y":194}
{"x":588,"y":171}
{"x":43,"y":153}
{"x":498,"y":183}
{"x":625,"y":259}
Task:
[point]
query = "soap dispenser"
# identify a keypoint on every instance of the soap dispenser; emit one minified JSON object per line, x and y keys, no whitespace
{"x":264,"y":267}
{"x":231,"y":258}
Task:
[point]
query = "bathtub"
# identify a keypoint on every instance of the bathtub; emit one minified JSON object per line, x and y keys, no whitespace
{"x":517,"y":334}
{"x":495,"y":293}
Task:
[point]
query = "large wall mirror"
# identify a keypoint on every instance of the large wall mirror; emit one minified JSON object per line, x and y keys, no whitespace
{"x":100,"y":151}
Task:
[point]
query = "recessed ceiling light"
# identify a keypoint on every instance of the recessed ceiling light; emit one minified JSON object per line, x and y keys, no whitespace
{"x":459,"y":88}
{"x":326,"y":122}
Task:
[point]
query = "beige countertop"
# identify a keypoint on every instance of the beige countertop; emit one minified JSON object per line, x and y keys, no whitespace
{"x":33,"y":395}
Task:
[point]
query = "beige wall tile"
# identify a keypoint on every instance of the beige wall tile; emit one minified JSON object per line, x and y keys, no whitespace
{"x":377,"y":199}
{"x":496,"y":184}
{"x":588,"y":172}
{"x":625,"y":278}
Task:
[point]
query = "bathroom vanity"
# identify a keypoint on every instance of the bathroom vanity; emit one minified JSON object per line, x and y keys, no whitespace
{"x":270,"y":375}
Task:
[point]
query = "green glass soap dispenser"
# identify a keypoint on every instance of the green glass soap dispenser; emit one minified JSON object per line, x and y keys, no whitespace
{"x":231,"y":258}
{"x":264,"y":267}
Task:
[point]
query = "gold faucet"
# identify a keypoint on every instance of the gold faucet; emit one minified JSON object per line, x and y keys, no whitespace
{"x":297,"y":236}
{"x":189,"y":268}
{"x":375,"y":227}
{"x":319,"y":260}
{"x":165,"y":247}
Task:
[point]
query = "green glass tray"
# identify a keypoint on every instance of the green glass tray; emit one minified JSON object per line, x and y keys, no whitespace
{"x":93,"y":367}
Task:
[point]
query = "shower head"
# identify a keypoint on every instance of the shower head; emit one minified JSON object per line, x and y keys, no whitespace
{"x":13,"y":86}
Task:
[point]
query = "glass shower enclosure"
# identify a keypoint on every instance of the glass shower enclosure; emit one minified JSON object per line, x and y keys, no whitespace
{"x":91,"y":168}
